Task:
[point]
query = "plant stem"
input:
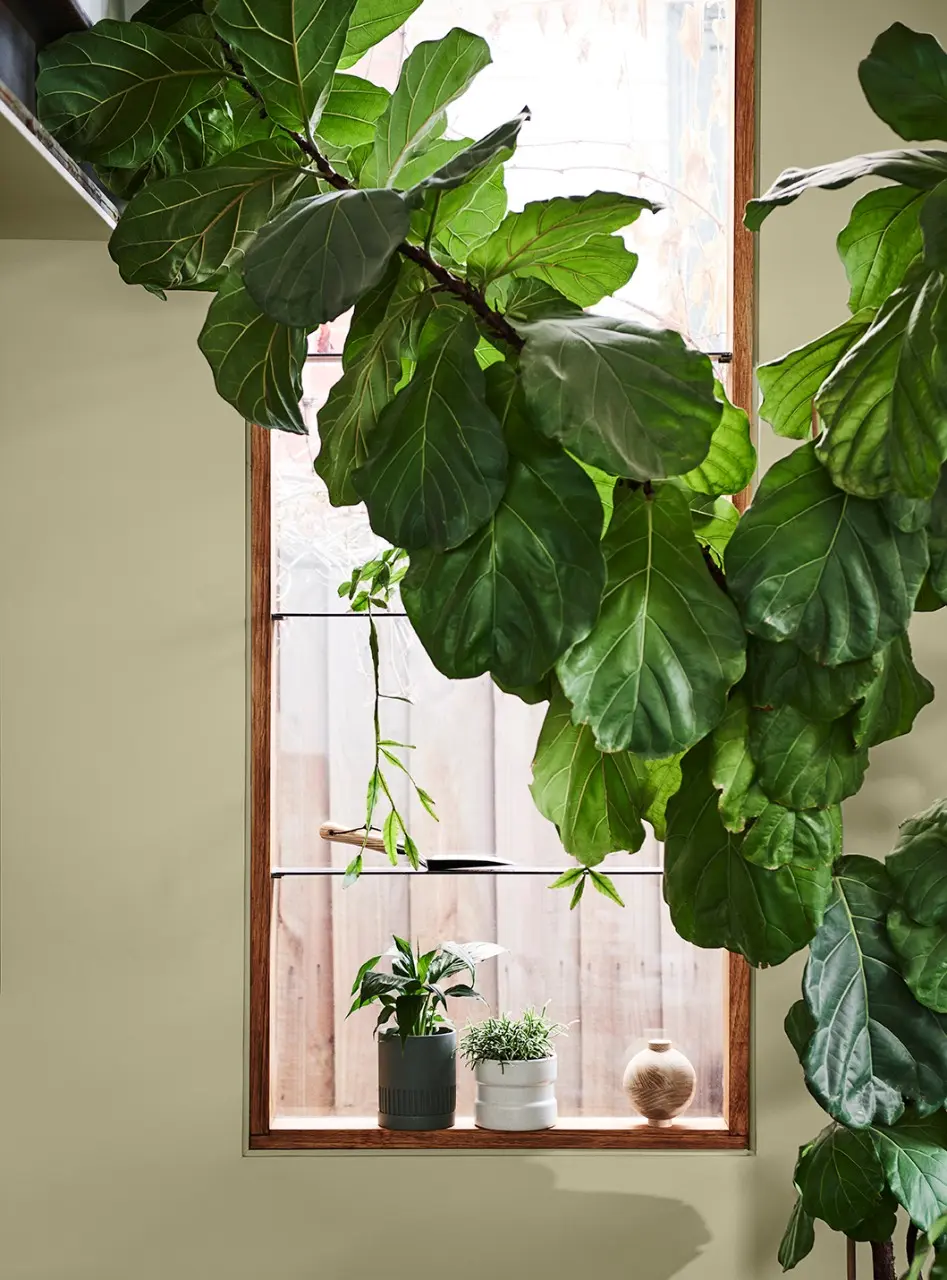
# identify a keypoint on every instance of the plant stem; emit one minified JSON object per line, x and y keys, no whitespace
{"x":882,"y":1260}
{"x":446,"y":279}
{"x":373,"y":646}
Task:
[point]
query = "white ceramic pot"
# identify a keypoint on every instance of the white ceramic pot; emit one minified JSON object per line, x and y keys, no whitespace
{"x":516,"y":1096}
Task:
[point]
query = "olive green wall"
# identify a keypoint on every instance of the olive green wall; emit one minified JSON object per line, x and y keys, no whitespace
{"x":122,"y":644}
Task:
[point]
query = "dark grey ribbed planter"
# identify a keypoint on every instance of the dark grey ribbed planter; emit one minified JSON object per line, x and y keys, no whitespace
{"x":417,"y":1082}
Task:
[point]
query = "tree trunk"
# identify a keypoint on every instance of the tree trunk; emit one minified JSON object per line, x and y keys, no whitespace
{"x":882,"y":1260}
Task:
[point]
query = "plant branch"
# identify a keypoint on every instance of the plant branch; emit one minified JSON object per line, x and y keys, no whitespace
{"x":882,"y":1260}
{"x":460,"y":288}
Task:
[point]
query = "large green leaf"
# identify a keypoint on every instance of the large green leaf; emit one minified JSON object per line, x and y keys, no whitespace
{"x":872,"y":1042}
{"x":371,"y":21}
{"x":881,"y":240}
{"x":812,"y":564}
{"x":351,"y":109}
{"x":531,"y":694}
{"x":922,"y":951}
{"x":884,"y":405}
{"x":524,"y":299}
{"x":191,"y":230}
{"x":631,"y":400}
{"x":880,"y":1223}
{"x":937,"y":538}
{"x":250,"y":121}
{"x":440,"y":467}
{"x":528,"y":584}
{"x":467,"y":215}
{"x":781,"y":675}
{"x":596,"y":799}
{"x":318,"y":257}
{"x":840,"y":1177}
{"x":789,"y":384}
{"x":289,"y":50}
{"x":732,"y":767}
{"x":605,"y":488}
{"x":918,"y":865}
{"x":919,"y":169}
{"x":779,"y":835}
{"x":113,"y":94}
{"x":894,"y":699}
{"x":203,"y":137}
{"x":731,"y":462}
{"x":719,"y":899}
{"x":434,"y":74}
{"x":257,"y":363}
{"x":907,"y":514}
{"x":714,"y":520}
{"x":799,"y":1026}
{"x":913,"y":1154}
{"x":491,"y":150}
{"x":593,"y":271}
{"x":548,"y":237}
{"x":934,"y":228}
{"x":168,"y":13}
{"x":798,"y":1238}
{"x":425,"y":160}
{"x":904,"y":79}
{"x":803,"y":763}
{"x":653,"y":676}
{"x":371,"y":370}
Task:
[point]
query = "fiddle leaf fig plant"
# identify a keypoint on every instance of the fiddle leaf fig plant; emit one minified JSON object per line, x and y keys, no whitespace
{"x":842,"y":543}
{"x":556,"y":483}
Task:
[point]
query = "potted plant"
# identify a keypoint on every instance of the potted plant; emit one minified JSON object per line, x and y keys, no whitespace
{"x":417,"y":1052}
{"x":515,"y":1067}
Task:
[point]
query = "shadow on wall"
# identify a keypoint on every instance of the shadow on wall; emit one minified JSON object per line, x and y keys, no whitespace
{"x":473,"y":1226}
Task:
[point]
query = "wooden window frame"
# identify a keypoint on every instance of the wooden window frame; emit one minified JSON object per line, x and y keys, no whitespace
{"x":732,"y":1132}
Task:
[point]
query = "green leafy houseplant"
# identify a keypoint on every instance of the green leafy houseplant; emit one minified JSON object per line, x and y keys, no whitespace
{"x":870,"y":1030}
{"x":515,"y":1068}
{"x":413,"y":997}
{"x":559,"y":481}
{"x":417,"y":1053}
{"x":504,"y":1039}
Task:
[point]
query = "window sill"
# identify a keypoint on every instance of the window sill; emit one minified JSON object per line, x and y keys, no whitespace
{"x":335,"y":1133}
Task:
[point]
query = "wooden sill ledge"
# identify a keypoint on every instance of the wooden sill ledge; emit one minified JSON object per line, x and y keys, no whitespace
{"x":336,"y":1133}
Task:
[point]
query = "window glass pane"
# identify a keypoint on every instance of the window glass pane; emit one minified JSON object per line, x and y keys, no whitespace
{"x":626,"y":95}
{"x":315,"y":545}
{"x":618,"y":976}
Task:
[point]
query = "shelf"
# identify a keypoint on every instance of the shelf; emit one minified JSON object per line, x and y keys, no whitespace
{"x":322,"y":1133}
{"x":45,"y":194}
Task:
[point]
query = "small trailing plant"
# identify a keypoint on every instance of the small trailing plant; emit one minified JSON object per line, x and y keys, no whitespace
{"x":413,"y":996}
{"x":507,"y":1039}
{"x":368,"y":589}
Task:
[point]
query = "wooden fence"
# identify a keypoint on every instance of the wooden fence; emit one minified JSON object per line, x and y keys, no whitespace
{"x":616,"y":975}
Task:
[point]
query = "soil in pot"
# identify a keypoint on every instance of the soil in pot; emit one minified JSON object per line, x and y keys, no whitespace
{"x":417,"y":1081}
{"x":516,"y":1096}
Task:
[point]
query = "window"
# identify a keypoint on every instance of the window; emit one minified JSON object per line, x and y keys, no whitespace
{"x":634,"y":95}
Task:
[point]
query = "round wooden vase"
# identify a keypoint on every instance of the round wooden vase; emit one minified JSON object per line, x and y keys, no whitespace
{"x":660,"y":1082}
